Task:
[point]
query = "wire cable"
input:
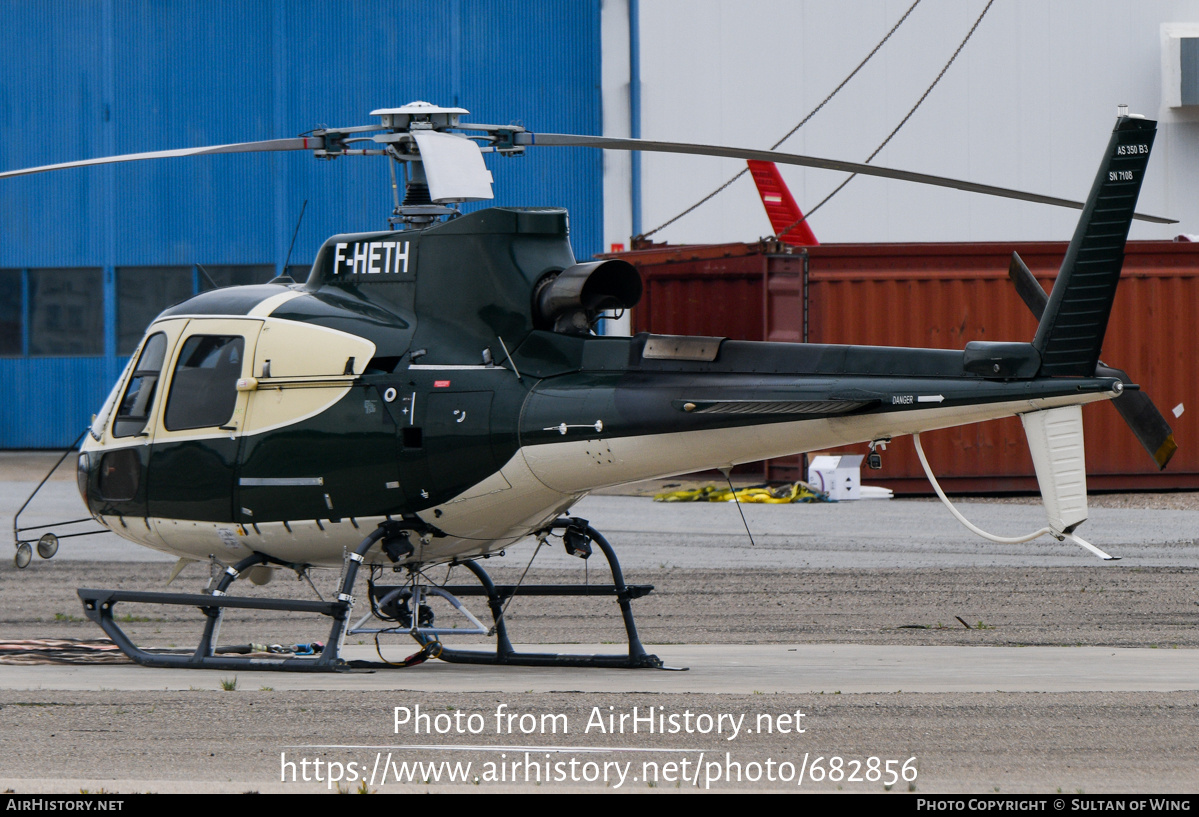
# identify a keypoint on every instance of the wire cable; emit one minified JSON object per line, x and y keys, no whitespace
{"x":802,"y":122}
{"x":728,"y":477}
{"x":519,"y":582}
{"x":902,"y":122}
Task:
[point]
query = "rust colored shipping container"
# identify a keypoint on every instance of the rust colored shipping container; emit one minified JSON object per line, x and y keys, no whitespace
{"x":943,"y":296}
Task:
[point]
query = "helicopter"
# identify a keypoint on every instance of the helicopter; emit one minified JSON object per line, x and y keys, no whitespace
{"x":435,"y":393}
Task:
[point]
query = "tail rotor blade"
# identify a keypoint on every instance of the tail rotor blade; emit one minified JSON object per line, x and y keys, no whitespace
{"x":1146,"y":422}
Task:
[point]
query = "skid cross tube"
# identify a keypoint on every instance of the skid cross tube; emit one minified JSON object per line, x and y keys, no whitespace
{"x":386,"y":595}
{"x":98,"y":606}
{"x":637,"y":657}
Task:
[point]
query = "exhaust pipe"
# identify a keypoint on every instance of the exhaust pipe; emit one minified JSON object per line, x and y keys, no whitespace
{"x":570,"y":301}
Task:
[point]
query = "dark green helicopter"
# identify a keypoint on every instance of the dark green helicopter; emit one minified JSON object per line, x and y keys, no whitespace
{"x":434,"y":393}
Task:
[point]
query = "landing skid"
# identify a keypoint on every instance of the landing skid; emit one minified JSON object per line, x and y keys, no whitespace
{"x":498,"y":595}
{"x":98,"y":605}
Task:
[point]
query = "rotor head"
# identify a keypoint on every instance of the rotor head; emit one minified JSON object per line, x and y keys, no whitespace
{"x":419,"y":116}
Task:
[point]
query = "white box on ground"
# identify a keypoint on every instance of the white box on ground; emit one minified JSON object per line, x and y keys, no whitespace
{"x":838,"y":476}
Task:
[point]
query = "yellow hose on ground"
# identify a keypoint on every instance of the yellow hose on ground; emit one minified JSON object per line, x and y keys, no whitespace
{"x":761,"y":494}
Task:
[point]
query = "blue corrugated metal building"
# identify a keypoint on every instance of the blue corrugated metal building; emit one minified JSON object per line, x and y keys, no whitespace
{"x":88,"y":256}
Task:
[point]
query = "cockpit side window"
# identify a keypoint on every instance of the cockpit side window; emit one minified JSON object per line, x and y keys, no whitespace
{"x":134,"y":410}
{"x":204,"y":383}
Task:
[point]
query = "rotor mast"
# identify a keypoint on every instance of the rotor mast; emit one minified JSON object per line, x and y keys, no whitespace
{"x":417,"y":208}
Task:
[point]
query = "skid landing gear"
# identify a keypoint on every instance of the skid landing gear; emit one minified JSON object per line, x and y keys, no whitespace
{"x":98,"y":606}
{"x":578,"y":534}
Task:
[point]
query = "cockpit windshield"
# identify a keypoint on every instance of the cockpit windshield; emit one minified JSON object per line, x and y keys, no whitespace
{"x":134,"y":411}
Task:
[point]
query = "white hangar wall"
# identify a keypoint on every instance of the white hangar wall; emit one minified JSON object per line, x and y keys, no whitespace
{"x":1028,"y":103}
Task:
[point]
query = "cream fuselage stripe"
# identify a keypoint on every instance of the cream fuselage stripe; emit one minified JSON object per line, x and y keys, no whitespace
{"x":269,"y":305}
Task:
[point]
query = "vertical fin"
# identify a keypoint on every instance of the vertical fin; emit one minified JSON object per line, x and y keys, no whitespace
{"x":1138,"y":411}
{"x":1075,"y":320}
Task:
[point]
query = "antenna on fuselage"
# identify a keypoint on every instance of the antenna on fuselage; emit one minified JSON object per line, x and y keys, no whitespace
{"x":294,"y":233}
{"x":207,"y":277}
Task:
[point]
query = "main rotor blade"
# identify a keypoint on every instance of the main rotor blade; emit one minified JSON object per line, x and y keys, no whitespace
{"x":298,"y":143}
{"x":619,"y":143}
{"x":1136,"y":407}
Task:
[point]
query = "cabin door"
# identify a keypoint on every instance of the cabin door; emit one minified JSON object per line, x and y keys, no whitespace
{"x":198,"y":427}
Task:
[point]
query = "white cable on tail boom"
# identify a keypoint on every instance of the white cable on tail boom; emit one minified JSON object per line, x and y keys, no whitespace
{"x":1003,"y":540}
{"x":1055,"y":442}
